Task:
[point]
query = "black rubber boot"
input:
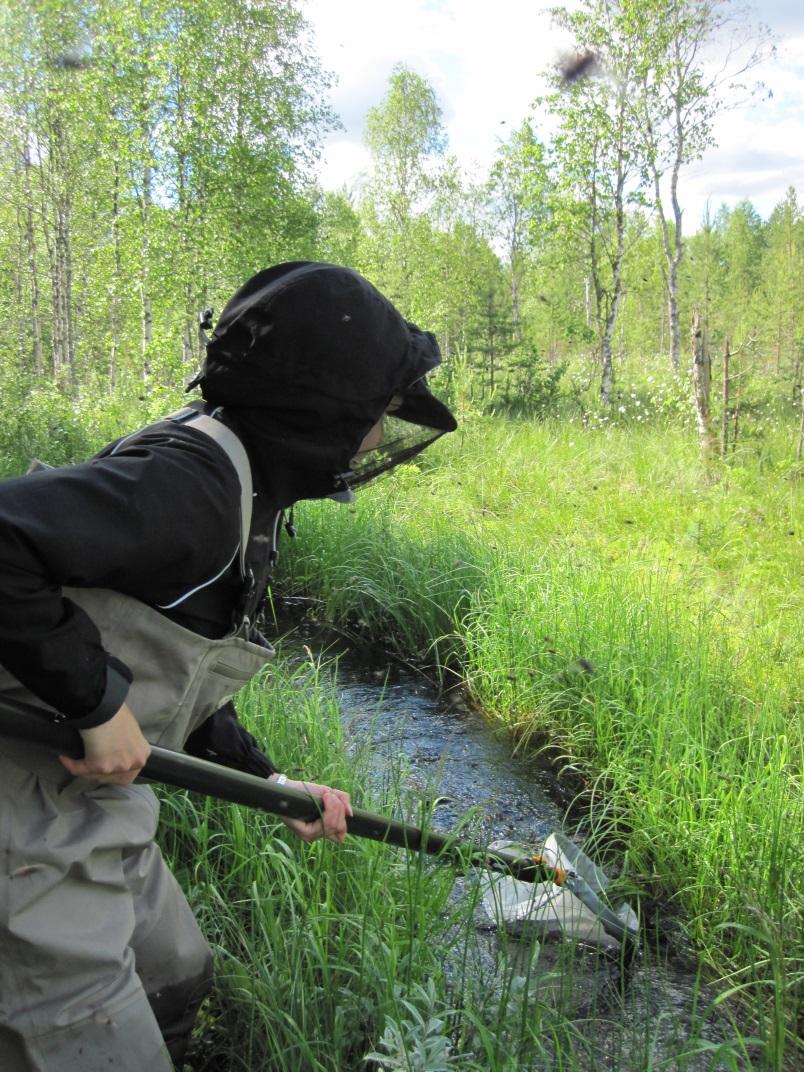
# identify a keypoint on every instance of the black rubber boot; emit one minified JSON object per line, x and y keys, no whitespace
{"x":175,"y":1008}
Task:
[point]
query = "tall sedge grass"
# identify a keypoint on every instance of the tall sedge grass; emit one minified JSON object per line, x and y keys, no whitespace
{"x":594,"y":589}
{"x":310,"y":940}
{"x":334,"y":959}
{"x":601,"y":592}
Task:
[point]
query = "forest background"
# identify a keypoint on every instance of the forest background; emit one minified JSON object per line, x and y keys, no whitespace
{"x":155,"y":155}
{"x":629,"y":388}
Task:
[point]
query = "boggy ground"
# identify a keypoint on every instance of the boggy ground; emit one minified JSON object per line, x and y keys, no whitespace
{"x":603,"y":592}
{"x":325,"y":955}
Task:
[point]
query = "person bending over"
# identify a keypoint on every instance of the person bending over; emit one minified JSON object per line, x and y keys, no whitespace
{"x":129,"y":588}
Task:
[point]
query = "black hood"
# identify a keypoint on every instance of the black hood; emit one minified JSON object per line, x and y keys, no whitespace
{"x":305,"y":358}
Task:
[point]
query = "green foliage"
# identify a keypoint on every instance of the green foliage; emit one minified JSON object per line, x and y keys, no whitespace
{"x":339,"y":229}
{"x":417,"y":1041}
{"x":152,"y":157}
{"x":341,"y":958}
{"x":589,"y":585}
{"x":41,"y":422}
{"x":336,"y":958}
{"x":307,"y":962}
{"x":532,"y":388}
{"x":609,"y":601}
{"x":403,"y":133}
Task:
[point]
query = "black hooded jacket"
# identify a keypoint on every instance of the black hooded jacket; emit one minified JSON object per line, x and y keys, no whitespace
{"x":304,"y":360}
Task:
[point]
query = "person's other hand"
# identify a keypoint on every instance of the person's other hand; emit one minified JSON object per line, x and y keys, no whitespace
{"x":336,"y":808}
{"x":114,"y":752}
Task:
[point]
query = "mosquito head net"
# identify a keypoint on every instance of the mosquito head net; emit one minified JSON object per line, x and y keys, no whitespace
{"x":306,"y":358}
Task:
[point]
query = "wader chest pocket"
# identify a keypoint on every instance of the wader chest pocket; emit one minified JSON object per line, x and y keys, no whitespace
{"x":179,"y":677}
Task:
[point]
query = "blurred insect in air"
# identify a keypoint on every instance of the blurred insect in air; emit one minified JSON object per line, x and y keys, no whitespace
{"x":578,"y":66}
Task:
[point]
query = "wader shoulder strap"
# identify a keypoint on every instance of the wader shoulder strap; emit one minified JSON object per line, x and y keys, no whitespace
{"x":254,"y":576}
{"x":236,"y":452}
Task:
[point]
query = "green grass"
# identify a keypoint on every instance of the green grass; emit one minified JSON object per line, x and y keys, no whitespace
{"x":596,"y":591}
{"x":306,"y":963}
{"x":600,"y":591}
{"x":326,"y":955}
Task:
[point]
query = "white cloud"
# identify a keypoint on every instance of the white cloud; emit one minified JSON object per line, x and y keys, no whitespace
{"x":484,"y":59}
{"x":760,"y":146}
{"x":483,"y":63}
{"x":345,"y":163}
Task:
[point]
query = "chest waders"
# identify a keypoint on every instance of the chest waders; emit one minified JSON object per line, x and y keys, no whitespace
{"x":102,"y":964}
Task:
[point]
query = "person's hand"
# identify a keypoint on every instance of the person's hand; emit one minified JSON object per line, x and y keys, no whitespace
{"x":336,"y":809}
{"x":114,"y":752}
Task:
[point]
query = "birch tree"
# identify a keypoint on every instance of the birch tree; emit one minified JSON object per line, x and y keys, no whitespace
{"x":693,"y":58}
{"x":46,"y":139}
{"x":153,"y":153}
{"x":596,"y":148}
{"x":407,"y":141}
{"x":519,"y":191}
{"x":404,"y":134}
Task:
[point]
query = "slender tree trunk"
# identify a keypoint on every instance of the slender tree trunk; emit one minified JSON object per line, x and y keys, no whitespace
{"x":724,"y":419}
{"x":606,"y":347}
{"x":446,"y":330}
{"x":118,"y":280}
{"x":798,"y":388}
{"x":515,"y":316}
{"x":47,"y":237}
{"x":606,"y":374}
{"x":702,"y":379}
{"x":672,"y":316}
{"x":189,"y":337}
{"x":147,"y":328}
{"x":662,"y":325}
{"x":33,"y":269}
{"x":65,"y":278}
{"x":607,"y":377}
{"x":186,"y":206}
{"x":673,"y":248}
{"x":492,"y":361}
{"x":20,"y":270}
{"x":779,"y":339}
{"x":672,"y":271}
{"x":50,"y":233}
{"x":736,"y":414}
{"x":58,"y":184}
{"x":612,"y":301}
{"x":602,"y":320}
{"x":672,"y":245}
{"x":145,"y":283}
{"x":516,"y":278}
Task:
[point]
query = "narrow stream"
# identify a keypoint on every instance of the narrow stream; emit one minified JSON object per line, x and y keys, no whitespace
{"x":653,"y":1014}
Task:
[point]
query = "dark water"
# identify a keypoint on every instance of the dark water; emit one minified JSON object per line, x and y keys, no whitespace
{"x":652,"y":1012}
{"x":450,"y":755}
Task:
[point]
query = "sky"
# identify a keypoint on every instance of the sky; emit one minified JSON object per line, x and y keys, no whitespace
{"x":483,"y":59}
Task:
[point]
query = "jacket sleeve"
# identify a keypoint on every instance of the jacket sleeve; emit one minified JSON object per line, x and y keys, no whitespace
{"x":151,"y":521}
{"x":224,"y":740}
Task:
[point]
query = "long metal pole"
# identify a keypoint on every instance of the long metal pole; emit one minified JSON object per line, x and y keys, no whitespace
{"x":23,"y":722}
